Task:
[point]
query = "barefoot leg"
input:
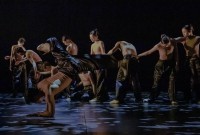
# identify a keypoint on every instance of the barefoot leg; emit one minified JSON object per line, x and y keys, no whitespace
{"x":49,"y":94}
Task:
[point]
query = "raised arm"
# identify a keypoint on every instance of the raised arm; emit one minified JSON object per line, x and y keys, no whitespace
{"x":155,"y":48}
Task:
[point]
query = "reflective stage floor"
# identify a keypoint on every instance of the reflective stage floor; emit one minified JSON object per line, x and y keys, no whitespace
{"x":77,"y":118}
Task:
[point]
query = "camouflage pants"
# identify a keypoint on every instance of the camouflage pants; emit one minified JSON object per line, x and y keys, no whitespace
{"x":128,"y":76}
{"x":192,"y":71}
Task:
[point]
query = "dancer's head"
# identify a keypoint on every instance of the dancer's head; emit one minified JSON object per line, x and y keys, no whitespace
{"x":21,"y":41}
{"x":165,"y":39}
{"x":48,"y":45}
{"x":94,"y":35}
{"x":187,"y":30}
{"x":66,"y":39}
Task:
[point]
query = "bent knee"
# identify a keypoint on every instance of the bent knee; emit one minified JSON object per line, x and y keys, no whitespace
{"x":43,"y":85}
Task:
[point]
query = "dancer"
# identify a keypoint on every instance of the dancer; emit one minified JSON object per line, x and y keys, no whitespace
{"x":19,"y":76}
{"x":36,"y":74}
{"x":168,"y":61}
{"x":191,"y":67}
{"x":71,"y":48}
{"x":97,"y":48}
{"x":128,"y":72}
{"x":68,"y":68}
{"x":88,"y":91}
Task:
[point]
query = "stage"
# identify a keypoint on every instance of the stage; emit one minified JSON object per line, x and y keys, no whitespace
{"x":82,"y":118}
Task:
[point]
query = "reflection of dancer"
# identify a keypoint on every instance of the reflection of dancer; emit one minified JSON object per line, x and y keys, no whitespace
{"x":168,"y":58}
{"x":97,"y":48}
{"x":192,"y":63}
{"x":128,"y":72}
{"x":68,"y":67}
{"x":18,"y":69}
{"x":71,"y":48}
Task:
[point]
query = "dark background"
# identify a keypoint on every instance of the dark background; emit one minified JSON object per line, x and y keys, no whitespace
{"x":137,"y":21}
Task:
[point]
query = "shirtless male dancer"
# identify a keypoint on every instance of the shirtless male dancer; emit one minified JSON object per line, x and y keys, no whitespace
{"x":18,"y":70}
{"x":128,"y":72}
{"x":168,"y":61}
{"x":97,"y":48}
{"x":35,"y":60}
{"x":71,"y":46}
{"x":36,"y":74}
{"x":68,"y":68}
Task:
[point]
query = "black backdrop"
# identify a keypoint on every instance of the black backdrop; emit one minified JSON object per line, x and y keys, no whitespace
{"x":137,"y":21}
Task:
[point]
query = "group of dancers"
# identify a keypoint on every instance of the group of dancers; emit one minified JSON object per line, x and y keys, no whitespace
{"x":91,"y":71}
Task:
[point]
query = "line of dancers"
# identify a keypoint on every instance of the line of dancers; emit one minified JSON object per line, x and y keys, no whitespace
{"x":90,"y":72}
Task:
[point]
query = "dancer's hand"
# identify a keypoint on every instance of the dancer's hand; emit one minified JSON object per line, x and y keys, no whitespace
{"x":37,"y":75}
{"x":17,"y":63}
{"x":7,"y":57}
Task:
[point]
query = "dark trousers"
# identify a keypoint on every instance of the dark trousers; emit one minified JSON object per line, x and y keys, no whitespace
{"x":19,"y":79}
{"x":100,"y":84}
{"x":192,"y":78}
{"x":128,"y":76}
{"x":163,"y":69}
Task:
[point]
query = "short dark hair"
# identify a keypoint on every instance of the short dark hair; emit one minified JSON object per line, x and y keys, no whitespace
{"x":94,"y":32}
{"x":64,"y":37}
{"x":22,"y":40}
{"x":189,"y":28}
{"x":164,"y":39}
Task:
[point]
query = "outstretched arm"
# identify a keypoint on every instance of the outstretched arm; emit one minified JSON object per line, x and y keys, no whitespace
{"x":155,"y":48}
{"x":179,"y":39}
{"x":115,"y":48}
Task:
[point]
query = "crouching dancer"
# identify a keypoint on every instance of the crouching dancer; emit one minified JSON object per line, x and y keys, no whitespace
{"x":68,"y":68}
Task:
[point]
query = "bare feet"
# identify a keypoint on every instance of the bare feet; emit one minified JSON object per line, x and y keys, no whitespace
{"x":41,"y":114}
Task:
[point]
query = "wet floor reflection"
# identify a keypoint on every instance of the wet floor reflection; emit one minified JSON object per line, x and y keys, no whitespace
{"x":99,"y":119}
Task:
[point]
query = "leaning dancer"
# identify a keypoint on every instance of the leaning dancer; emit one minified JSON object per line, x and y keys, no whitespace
{"x":68,"y":68}
{"x":18,"y":70}
{"x":168,"y":61}
{"x":191,"y":65}
{"x":38,"y":66}
{"x":128,"y":72}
